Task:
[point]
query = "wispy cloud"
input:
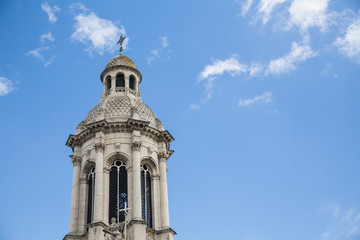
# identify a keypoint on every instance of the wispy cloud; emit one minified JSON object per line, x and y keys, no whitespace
{"x":47,"y":36}
{"x":97,"y":34}
{"x":299,"y":53}
{"x":264,"y":98}
{"x":195,"y":106}
{"x":345,"y":224}
{"x":6,"y":86}
{"x":265,"y":8}
{"x":50,"y":11}
{"x":349,"y":44}
{"x":245,"y":6}
{"x":39,"y":53}
{"x":218,"y":68}
{"x":164,"y":41}
{"x":309,"y":13}
{"x":158,"y":53}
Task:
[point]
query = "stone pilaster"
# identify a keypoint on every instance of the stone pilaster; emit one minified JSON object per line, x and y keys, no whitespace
{"x":75,"y":194}
{"x":136,"y":181}
{"x":165,"y":223}
{"x":82,"y":206}
{"x":99,"y":176}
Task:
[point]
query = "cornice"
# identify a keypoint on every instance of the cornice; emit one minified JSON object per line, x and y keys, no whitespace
{"x":113,"y":127}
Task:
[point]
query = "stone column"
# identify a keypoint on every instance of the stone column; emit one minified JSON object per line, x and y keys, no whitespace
{"x":75,"y":194}
{"x":82,"y":207}
{"x":106,"y":196}
{"x":136,"y":181}
{"x":99,"y":177}
{"x":165,"y":223}
{"x":156,"y":201}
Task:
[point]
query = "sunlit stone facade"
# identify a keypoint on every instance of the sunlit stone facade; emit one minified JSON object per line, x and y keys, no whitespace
{"x":119,"y":159}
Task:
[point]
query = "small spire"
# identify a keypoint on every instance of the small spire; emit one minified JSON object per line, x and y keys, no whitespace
{"x":121,"y":40}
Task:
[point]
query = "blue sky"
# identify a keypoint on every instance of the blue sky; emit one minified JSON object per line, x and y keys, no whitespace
{"x":262,"y":97}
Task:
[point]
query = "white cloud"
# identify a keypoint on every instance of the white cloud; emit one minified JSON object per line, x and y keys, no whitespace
{"x":345,"y":224}
{"x":50,"y":11}
{"x":6,"y":86}
{"x":255,"y":69}
{"x":48,"y":36}
{"x":298,"y":54}
{"x":155,"y":53}
{"x":245,"y":6}
{"x":98,"y":34}
{"x":265,"y":8}
{"x":39,"y":54}
{"x":164,"y":41}
{"x":309,"y":13}
{"x":219,"y":67}
{"x":349,"y":44}
{"x":195,"y":107}
{"x":265,"y":98}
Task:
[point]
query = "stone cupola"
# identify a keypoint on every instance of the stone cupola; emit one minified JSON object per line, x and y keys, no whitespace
{"x":119,"y":156}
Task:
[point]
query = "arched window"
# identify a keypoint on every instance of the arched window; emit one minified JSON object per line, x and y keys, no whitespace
{"x":146,"y":195}
{"x":120,"y":80}
{"x":108,"y":83}
{"x":91,"y":195}
{"x":132,"y":82}
{"x":118,"y":190}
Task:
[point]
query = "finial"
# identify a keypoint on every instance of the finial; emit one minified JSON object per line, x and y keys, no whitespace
{"x":121,"y":40}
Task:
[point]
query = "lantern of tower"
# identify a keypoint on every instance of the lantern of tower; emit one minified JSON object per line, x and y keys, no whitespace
{"x":119,"y":164}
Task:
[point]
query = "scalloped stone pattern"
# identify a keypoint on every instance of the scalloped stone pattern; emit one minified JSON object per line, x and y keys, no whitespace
{"x":121,"y":60}
{"x":119,"y":109}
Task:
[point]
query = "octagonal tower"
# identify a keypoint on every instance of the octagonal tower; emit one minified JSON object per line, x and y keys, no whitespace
{"x":119,"y":156}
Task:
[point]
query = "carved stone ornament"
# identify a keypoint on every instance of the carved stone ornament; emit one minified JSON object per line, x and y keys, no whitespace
{"x":136,"y":145}
{"x":75,"y":160}
{"x":100,"y":146}
{"x":163,"y":156}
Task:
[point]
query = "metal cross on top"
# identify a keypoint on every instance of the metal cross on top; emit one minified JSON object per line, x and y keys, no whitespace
{"x":125,"y":210}
{"x":121,"y":40}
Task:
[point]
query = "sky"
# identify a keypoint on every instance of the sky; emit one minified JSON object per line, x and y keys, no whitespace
{"x":261,"y":96}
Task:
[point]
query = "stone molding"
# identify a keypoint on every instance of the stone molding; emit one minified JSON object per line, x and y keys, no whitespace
{"x":134,"y":221}
{"x":99,"y":147}
{"x":76,"y":160}
{"x":118,"y":127}
{"x":96,"y":224}
{"x":136,"y":146}
{"x":166,"y":230}
{"x":72,"y":236}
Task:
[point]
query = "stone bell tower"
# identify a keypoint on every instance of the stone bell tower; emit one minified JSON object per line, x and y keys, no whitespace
{"x":120,"y":150}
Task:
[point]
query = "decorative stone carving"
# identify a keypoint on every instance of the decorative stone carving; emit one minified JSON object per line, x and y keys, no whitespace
{"x":150,"y":151}
{"x":100,"y":146}
{"x":117,"y":146}
{"x":115,"y":231}
{"x":75,"y":160}
{"x":136,"y":145}
{"x":163,"y":156}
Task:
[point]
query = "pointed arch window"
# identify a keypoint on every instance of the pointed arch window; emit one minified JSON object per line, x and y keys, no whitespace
{"x":108,"y":83}
{"x":132,"y":82}
{"x":91,"y":195}
{"x":120,"y":80}
{"x":117,"y":190}
{"x":146,"y":194}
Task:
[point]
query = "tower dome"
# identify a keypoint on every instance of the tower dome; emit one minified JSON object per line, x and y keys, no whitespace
{"x":121,"y":60}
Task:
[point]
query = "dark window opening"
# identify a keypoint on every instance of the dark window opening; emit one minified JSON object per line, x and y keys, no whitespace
{"x":120,"y":80}
{"x":91,"y":194}
{"x":132,"y":82}
{"x":108,"y":83}
{"x":117,"y":191}
{"x":146,"y":195}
